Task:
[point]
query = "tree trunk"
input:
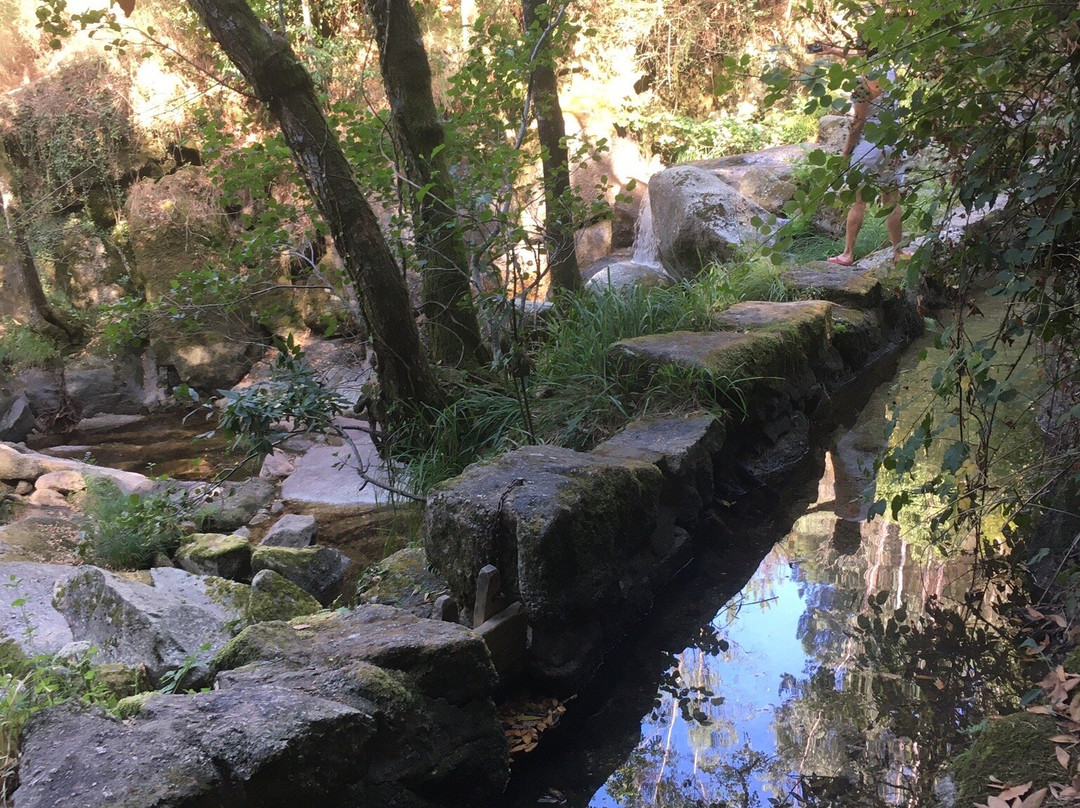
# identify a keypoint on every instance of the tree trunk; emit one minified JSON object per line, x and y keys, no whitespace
{"x":558,"y":218}
{"x":42,"y":313}
{"x":453,"y":329}
{"x":266,"y":61}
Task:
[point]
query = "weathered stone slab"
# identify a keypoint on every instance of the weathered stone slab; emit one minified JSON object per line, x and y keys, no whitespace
{"x":570,"y":534}
{"x":683,"y":449}
{"x":427,"y":683}
{"x":161,"y":626}
{"x":841,"y":285}
{"x":857,"y":335}
{"x":27,"y":615}
{"x":261,"y":745}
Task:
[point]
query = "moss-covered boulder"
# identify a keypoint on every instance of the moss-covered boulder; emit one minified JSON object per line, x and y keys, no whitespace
{"x":403,"y":580}
{"x":319,"y":571}
{"x":216,"y":554}
{"x":274,"y":597}
{"x":1014,"y":749}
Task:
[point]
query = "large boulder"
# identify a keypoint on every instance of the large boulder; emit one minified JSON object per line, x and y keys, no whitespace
{"x":260,"y":745}
{"x":319,"y":571}
{"x":697,"y":218}
{"x":27,"y":615}
{"x":571,"y":536}
{"x":178,"y":621}
{"x":427,"y":684}
{"x":403,"y":580}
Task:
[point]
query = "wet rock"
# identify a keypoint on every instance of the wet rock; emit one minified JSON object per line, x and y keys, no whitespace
{"x":292,"y":530}
{"x":405,"y":581}
{"x":428,"y":684}
{"x":260,"y":745}
{"x":274,"y":597}
{"x":837,"y":284}
{"x":704,"y":219}
{"x":319,"y":571}
{"x":181,"y":619}
{"x":216,"y":554}
{"x":570,"y":534}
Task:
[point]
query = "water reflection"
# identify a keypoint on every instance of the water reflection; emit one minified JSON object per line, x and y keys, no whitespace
{"x":845,"y":673}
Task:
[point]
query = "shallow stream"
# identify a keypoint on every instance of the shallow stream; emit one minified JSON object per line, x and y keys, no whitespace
{"x":809,"y":658}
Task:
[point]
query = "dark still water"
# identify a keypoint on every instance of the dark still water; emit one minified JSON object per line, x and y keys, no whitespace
{"x":162,"y":444}
{"x":824,"y":661}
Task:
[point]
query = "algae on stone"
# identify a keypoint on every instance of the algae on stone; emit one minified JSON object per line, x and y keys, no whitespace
{"x":274,"y":597}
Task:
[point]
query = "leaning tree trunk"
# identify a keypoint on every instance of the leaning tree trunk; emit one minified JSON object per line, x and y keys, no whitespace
{"x":558,"y":219}
{"x":42,"y":313}
{"x":266,"y":61}
{"x":449,"y":308}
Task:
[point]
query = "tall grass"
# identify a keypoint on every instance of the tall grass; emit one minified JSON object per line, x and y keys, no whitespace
{"x":126,"y":531}
{"x":574,"y":396}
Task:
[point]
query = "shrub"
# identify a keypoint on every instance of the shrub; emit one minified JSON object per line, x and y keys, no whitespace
{"x":23,"y":347}
{"x":125,"y":531}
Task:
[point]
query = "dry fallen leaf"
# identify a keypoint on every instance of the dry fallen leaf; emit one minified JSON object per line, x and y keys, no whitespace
{"x":1035,"y":799}
{"x":1016,"y":791}
{"x":996,"y":802}
{"x":1062,"y":757}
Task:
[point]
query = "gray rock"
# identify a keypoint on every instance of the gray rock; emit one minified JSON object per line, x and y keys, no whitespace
{"x":683,"y":449}
{"x":569,"y":532}
{"x":16,"y":418}
{"x":98,"y":384}
{"x":427,"y":683}
{"x":225,"y":507}
{"x":260,"y":745}
{"x":403,"y":580}
{"x":621,"y":274}
{"x":292,"y":530}
{"x":216,"y":554}
{"x":697,"y":218}
{"x":319,"y":571}
{"x":181,"y":619}
{"x":27,"y":614}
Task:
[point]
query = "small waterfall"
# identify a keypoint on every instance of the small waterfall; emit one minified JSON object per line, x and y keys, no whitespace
{"x":645,"y":247}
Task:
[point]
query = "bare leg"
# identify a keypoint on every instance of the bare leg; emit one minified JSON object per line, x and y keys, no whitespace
{"x":855,"y":219}
{"x":895,"y":220}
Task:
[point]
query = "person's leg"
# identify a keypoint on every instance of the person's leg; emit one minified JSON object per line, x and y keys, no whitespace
{"x":895,"y":220}
{"x":854,"y":224}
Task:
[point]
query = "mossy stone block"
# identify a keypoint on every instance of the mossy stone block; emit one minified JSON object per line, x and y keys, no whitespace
{"x":216,"y":554}
{"x":274,"y":597}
